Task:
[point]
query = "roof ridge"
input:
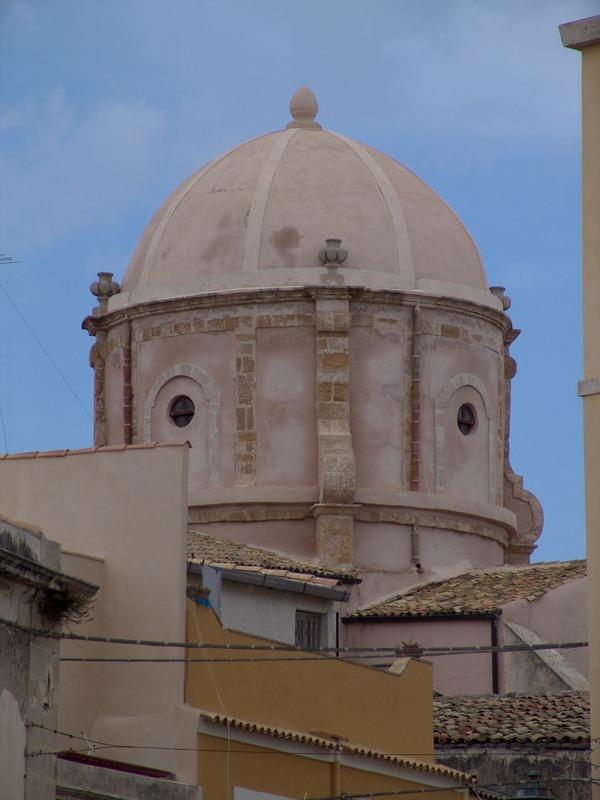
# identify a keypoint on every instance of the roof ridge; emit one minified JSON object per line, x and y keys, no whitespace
{"x":475,"y":590}
{"x":289,"y":562}
{"x":84,"y":450}
{"x":508,"y":695}
{"x":350,"y":748}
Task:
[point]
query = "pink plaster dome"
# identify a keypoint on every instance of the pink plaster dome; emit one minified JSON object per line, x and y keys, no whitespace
{"x":259,"y":215}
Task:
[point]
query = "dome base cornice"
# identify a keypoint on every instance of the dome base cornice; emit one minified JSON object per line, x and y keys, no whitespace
{"x":117,"y":313}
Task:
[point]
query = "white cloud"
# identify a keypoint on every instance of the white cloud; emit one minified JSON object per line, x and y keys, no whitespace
{"x":63,"y":172}
{"x":497,"y":70}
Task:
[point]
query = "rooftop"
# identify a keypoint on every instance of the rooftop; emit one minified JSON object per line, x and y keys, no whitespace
{"x":348,"y":748}
{"x":476,"y":591}
{"x":512,"y":718}
{"x":223,"y":554}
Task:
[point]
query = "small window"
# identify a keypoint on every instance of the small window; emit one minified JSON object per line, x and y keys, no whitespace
{"x":309,"y":630}
{"x":466,"y":419}
{"x":182,"y":410}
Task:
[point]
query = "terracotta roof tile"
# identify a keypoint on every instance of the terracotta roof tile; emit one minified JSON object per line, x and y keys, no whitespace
{"x":208,"y":550}
{"x":477,"y":591}
{"x":349,"y":748}
{"x":84,"y":450}
{"x":563,"y":717}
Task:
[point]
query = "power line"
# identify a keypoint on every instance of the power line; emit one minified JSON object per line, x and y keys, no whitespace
{"x":349,"y":657}
{"x":355,"y":652}
{"x":45,"y":351}
{"x":335,"y":748}
{"x":2,"y":425}
{"x":344,"y":796}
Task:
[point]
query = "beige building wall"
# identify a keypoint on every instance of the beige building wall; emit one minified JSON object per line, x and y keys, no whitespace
{"x":292,"y":776}
{"x":324,"y":697}
{"x":392,"y":713}
{"x":120,"y":515}
{"x":584,"y":35}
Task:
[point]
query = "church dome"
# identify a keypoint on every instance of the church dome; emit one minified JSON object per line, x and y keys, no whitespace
{"x":259,"y":215}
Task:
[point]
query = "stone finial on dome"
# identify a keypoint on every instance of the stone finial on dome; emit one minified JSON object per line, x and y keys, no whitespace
{"x":304,"y":109}
{"x":104,"y":288}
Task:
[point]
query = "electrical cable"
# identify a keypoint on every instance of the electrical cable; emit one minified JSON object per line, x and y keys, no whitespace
{"x":46,"y":353}
{"x":222,"y":704}
{"x":359,"y":651}
{"x":3,"y":426}
{"x":334,"y":748}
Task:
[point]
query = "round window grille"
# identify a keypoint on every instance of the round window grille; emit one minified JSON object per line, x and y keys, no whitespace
{"x":466,"y":419}
{"x":182,"y":410}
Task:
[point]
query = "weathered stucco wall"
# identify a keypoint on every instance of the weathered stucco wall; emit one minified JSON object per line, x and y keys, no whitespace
{"x":128,"y":509}
{"x":558,"y":615}
{"x":466,"y":674}
{"x":351,"y":701}
{"x":310,"y":397}
{"x":266,"y":612}
{"x":29,"y":670}
{"x":241,"y":775}
{"x":565,"y":770}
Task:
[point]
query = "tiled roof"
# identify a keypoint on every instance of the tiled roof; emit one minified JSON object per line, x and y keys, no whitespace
{"x":83,"y":451}
{"x":223,"y":554}
{"x":517,"y":718}
{"x":347,"y":748}
{"x":477,"y":591}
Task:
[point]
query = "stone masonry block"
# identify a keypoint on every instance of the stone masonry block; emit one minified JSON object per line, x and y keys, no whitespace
{"x":333,"y":361}
{"x":325,"y":391}
{"x":335,"y":540}
{"x":327,"y":411}
{"x":451,"y":331}
{"x":340,"y":392}
{"x":337,"y":343}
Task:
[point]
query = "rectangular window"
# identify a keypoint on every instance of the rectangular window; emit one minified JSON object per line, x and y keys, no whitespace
{"x":309,"y":630}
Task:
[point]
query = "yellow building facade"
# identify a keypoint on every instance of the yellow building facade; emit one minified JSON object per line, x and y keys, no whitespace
{"x":294,"y":725}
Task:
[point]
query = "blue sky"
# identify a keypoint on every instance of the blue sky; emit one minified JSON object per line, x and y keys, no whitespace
{"x":106,"y":105}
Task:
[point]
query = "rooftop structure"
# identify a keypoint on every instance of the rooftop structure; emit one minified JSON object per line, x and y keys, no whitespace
{"x":477,"y":591}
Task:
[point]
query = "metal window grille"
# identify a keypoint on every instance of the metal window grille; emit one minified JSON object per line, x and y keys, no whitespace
{"x":181,"y":410}
{"x":466,"y":419}
{"x":309,"y":630}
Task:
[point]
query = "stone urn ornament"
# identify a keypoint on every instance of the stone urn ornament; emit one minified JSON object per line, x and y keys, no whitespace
{"x":104,"y":288}
{"x":332,"y":256}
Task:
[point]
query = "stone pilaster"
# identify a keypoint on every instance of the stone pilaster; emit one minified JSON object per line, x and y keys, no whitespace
{"x":245,"y":401}
{"x":337,"y":473}
{"x":415,"y":401}
{"x":524,"y":504}
{"x":127,"y":389}
{"x":97,"y":362}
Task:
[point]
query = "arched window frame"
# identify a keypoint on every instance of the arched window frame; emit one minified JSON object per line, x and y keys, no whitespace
{"x":214,"y":410}
{"x":441,"y":404}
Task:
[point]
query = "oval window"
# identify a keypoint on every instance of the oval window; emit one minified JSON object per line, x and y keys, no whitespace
{"x":182,"y":410}
{"x":465,"y":419}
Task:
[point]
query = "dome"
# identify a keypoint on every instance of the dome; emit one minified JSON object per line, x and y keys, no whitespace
{"x":259,"y":215}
